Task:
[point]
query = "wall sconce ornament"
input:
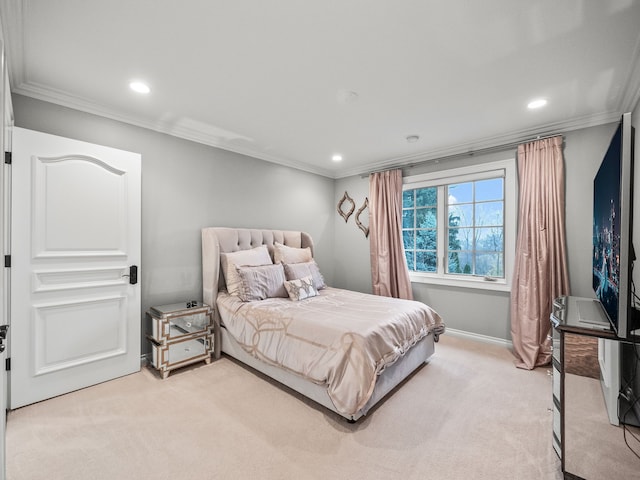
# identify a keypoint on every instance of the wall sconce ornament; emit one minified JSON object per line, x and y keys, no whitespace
{"x":346,"y":213}
{"x":364,"y":207}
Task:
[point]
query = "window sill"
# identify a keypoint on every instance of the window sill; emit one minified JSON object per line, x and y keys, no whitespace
{"x":500,"y":285}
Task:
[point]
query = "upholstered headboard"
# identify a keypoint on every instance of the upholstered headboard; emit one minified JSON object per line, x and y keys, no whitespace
{"x":216,"y":240}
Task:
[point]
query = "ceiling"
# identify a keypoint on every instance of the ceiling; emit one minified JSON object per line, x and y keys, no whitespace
{"x":295,"y":82}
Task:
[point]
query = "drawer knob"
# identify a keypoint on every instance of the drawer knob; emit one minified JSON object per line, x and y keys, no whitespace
{"x":188,"y":324}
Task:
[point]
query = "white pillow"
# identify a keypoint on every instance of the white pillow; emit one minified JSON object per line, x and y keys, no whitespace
{"x":261,"y":282}
{"x":285,"y":254}
{"x":300,"y":270}
{"x":229,"y":262}
{"x":300,"y":288}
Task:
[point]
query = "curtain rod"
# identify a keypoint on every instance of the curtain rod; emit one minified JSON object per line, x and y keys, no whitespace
{"x":470,"y":153}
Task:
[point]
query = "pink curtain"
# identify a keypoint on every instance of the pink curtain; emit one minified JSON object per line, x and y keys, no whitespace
{"x":540,"y":273}
{"x":389,"y":273}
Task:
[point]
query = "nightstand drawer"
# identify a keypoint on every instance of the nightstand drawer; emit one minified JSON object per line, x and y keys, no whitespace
{"x":182,"y":352}
{"x":165,"y":329}
{"x":167,"y":326}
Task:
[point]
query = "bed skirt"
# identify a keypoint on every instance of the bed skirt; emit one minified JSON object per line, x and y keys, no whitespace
{"x":392,"y":376}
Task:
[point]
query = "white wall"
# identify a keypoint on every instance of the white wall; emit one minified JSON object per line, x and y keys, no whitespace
{"x":187,"y":186}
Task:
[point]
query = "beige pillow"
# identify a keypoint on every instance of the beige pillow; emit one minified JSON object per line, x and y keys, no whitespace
{"x":300,"y":288}
{"x":259,"y":283}
{"x":300,"y":270}
{"x":284,"y":254}
{"x":229,"y":261}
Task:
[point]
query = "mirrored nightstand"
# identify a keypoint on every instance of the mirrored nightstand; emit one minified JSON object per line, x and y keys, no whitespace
{"x":180,"y":334}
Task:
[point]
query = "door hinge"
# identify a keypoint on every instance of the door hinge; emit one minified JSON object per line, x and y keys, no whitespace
{"x":7,"y":364}
{"x":8,"y":157}
{"x":7,"y":261}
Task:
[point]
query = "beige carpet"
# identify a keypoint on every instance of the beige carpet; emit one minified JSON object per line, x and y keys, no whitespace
{"x":468,"y":414}
{"x":595,"y":449}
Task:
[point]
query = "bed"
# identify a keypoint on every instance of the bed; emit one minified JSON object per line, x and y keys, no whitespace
{"x":344,"y":350}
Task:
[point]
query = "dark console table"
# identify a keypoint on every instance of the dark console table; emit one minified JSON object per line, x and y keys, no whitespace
{"x":576,"y":462}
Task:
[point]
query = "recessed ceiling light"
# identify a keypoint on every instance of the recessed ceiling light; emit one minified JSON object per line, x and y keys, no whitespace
{"x":413,"y":138}
{"x":540,"y":102}
{"x":139,"y":87}
{"x":337,"y":158}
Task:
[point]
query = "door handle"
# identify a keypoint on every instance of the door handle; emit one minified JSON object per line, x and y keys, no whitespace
{"x":3,"y":336}
{"x":133,"y":274}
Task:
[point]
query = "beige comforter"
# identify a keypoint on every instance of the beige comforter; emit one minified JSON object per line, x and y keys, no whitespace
{"x":340,"y":338}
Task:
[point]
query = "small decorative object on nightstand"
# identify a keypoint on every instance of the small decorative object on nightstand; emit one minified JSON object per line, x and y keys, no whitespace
{"x":181,"y":334}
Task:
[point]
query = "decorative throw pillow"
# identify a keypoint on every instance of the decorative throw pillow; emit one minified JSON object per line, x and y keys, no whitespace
{"x":229,"y":261}
{"x":285,"y":254}
{"x":300,"y":270}
{"x":300,"y":288}
{"x":261,"y":282}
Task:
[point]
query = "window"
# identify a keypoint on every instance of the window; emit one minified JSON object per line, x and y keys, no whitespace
{"x":458,"y":226}
{"x":475,"y":228}
{"x":420,"y":227}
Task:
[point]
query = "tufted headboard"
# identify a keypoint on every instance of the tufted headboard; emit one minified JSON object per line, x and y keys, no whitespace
{"x":216,"y":240}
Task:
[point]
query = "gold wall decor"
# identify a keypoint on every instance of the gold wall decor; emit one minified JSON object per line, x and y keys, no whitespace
{"x":346,"y":213}
{"x":365,"y":206}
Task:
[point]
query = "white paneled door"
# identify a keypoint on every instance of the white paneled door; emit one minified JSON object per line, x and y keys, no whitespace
{"x":75,"y":234}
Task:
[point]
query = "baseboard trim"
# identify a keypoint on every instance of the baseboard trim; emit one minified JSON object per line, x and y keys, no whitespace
{"x":479,"y":337}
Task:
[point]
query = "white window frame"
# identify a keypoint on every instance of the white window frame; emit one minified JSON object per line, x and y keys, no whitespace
{"x":501,"y":168}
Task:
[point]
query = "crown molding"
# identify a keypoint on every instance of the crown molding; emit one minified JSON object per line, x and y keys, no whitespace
{"x":503,"y":141}
{"x":507,"y":140}
{"x":47,"y":94}
{"x":12,"y":18}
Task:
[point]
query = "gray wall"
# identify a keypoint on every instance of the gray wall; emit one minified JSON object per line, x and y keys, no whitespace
{"x":479,"y":311}
{"x":352,"y":265}
{"x":584,"y":151}
{"x":187,"y":186}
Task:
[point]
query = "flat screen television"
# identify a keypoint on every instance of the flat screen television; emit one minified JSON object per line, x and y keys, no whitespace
{"x":613,"y":253}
